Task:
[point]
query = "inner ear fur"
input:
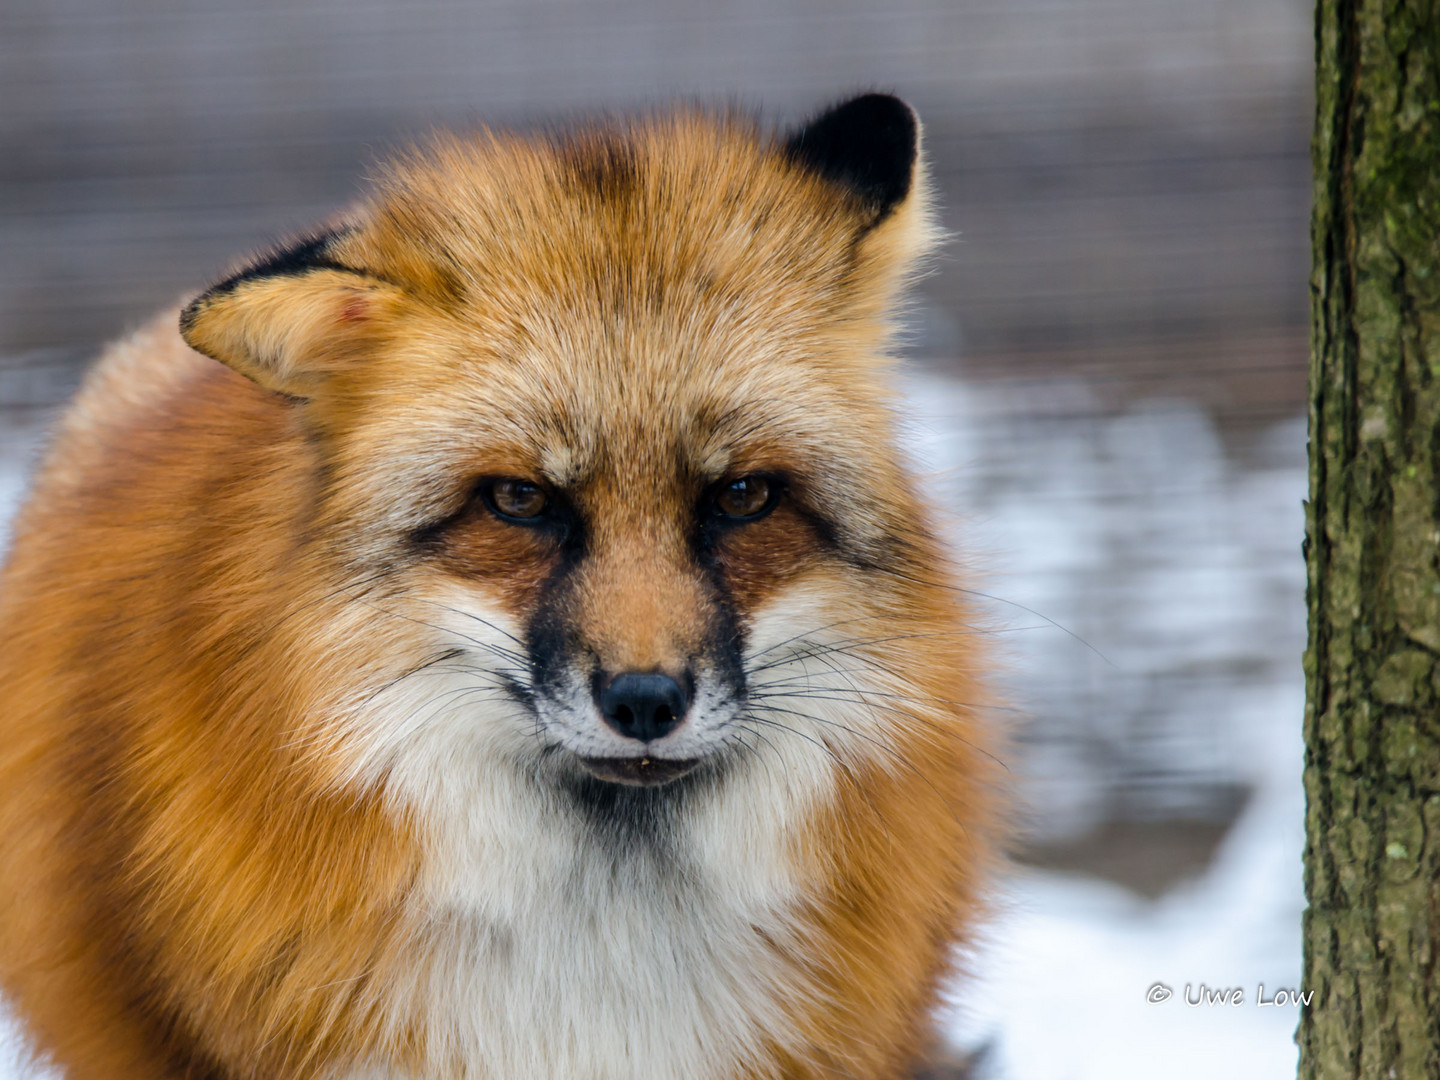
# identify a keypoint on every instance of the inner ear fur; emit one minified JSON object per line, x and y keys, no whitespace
{"x":291,"y":318}
{"x":869,"y":149}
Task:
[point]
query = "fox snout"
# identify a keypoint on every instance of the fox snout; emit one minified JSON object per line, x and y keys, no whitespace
{"x":634,"y":656}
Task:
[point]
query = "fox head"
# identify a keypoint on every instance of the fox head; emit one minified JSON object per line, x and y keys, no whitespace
{"x":600,"y":431}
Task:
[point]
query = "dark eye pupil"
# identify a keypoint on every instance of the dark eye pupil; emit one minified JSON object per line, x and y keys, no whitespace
{"x":517,"y":498}
{"x":745,"y":497}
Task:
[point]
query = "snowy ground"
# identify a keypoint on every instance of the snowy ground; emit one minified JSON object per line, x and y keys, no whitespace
{"x":1062,"y":988}
{"x":1176,"y":575}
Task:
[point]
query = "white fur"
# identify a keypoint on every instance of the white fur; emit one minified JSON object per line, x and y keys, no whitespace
{"x":543,"y":951}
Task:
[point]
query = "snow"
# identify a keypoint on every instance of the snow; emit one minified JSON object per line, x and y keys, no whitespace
{"x":1151,"y":586}
{"x":1058,"y":990}
{"x":1171,"y":681}
{"x":1181,"y":571}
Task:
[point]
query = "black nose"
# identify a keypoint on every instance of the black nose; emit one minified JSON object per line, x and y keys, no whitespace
{"x":643,"y":707}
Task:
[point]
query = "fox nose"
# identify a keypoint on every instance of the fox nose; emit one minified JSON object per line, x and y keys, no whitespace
{"x":643,"y":706}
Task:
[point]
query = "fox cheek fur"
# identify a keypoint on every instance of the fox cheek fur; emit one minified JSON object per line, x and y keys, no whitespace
{"x":524,"y":654}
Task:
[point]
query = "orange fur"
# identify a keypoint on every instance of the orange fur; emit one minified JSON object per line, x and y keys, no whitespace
{"x":218,"y":857}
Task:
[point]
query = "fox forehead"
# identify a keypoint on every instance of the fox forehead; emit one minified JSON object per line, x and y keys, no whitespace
{"x":679,"y":279}
{"x":572,"y":408}
{"x":620,"y":216}
{"x":658,"y":326}
{"x":683,"y":249}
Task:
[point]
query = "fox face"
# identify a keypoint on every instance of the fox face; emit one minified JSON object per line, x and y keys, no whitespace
{"x":599,"y":411}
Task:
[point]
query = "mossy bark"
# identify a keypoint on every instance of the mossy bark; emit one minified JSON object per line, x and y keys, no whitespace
{"x":1372,"y":722}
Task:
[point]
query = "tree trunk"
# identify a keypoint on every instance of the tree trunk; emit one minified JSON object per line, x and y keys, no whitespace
{"x":1372,"y":719}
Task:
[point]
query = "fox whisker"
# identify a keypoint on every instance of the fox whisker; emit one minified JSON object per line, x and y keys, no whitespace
{"x":840,"y":762}
{"x":847,"y":645}
{"x":999,"y":600}
{"x":521,"y":657}
{"x":503,"y":654}
{"x":900,"y":758}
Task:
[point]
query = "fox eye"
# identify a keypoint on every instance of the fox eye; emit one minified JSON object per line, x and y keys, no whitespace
{"x":746,"y":498}
{"x":515,"y":500}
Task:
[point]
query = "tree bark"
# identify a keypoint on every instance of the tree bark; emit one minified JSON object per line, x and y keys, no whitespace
{"x":1372,"y":720}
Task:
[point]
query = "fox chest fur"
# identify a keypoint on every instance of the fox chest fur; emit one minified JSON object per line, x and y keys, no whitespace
{"x":496,"y":636}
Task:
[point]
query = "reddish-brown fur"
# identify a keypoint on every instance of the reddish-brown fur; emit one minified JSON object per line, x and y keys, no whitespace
{"x":192,"y":882}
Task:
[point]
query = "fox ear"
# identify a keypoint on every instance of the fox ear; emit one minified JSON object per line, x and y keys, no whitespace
{"x":292,"y":317}
{"x":869,"y":145}
{"x":869,"y":148}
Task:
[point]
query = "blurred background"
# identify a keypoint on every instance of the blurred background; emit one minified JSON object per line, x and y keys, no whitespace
{"x":1106,"y":374}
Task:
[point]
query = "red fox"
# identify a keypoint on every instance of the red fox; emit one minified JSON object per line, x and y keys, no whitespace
{"x":498,"y":637}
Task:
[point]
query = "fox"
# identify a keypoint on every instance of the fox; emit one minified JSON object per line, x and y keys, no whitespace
{"x":499,"y":635}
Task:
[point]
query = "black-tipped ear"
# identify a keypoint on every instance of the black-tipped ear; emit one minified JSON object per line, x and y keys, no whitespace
{"x":291,"y":317}
{"x":868,"y":145}
{"x":310,"y":252}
